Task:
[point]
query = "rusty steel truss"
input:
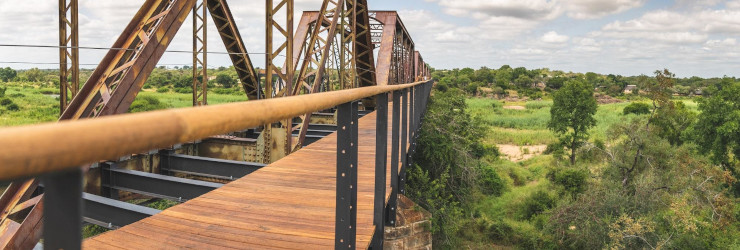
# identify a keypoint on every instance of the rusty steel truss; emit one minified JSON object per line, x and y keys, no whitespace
{"x":69,"y":59}
{"x":331,"y":49}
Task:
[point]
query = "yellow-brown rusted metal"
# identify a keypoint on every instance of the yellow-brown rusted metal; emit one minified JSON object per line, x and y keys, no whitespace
{"x":200,"y":54}
{"x":69,"y":58}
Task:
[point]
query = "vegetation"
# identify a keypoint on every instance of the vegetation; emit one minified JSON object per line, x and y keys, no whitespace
{"x":657,"y":171}
{"x":572,"y":115}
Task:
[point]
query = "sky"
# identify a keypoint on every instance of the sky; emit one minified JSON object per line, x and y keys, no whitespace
{"x":627,"y":37}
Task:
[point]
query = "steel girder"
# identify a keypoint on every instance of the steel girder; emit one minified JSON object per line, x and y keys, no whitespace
{"x":113,"y":214}
{"x":69,"y":60}
{"x":114,"y":84}
{"x":206,"y":167}
{"x":161,"y":186}
{"x":224,"y":21}
{"x":339,"y":30}
{"x":200,"y":54}
{"x":396,"y":49}
{"x":277,"y":142}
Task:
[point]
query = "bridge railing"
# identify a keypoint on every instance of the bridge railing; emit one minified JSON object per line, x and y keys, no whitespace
{"x":34,"y":151}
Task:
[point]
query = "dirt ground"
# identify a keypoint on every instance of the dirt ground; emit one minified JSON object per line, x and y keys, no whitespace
{"x":517,"y":153}
{"x":515,"y":107}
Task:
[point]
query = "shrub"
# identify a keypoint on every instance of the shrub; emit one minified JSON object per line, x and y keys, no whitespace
{"x":5,"y":101}
{"x":572,"y":181}
{"x":146,"y":103}
{"x":184,"y":90}
{"x":2,"y":91}
{"x":13,"y":107}
{"x":554,"y":148}
{"x":479,"y":150}
{"x":536,"y":203}
{"x":163,"y":90}
{"x":637,"y":108}
{"x":17,"y":95}
{"x":490,"y":182}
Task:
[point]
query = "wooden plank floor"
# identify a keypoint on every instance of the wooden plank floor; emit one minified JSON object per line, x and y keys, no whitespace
{"x":288,"y":204}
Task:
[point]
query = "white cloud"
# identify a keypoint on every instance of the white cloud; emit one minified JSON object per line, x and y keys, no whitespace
{"x":590,"y":9}
{"x":554,"y":37}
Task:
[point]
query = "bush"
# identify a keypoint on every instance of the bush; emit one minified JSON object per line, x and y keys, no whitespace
{"x":17,"y":95}
{"x":554,"y":148}
{"x":490,"y":182}
{"x":184,"y":90}
{"x":146,"y":103}
{"x":637,"y":108}
{"x":13,"y":107}
{"x":536,"y":203}
{"x":163,"y":90}
{"x":6,"y":101}
{"x":2,"y":91}
{"x":571,"y":180}
{"x":538,"y":104}
{"x":479,"y":150}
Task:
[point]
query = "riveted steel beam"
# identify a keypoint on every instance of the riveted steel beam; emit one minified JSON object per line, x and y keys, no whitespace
{"x":207,"y":167}
{"x":112,"y":214}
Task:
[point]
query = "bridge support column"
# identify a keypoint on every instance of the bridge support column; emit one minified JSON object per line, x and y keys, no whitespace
{"x":404,"y":139}
{"x":381,"y":159}
{"x":63,"y":210}
{"x":395,"y":136}
{"x":345,"y":231}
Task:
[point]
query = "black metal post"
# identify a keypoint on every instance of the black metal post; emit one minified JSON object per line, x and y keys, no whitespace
{"x":404,"y":139}
{"x":63,"y":210}
{"x":395,"y":138}
{"x":412,"y":109}
{"x":346,"y":203}
{"x":381,"y":159}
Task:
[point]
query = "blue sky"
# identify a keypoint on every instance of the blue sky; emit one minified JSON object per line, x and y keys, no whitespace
{"x":628,"y":37}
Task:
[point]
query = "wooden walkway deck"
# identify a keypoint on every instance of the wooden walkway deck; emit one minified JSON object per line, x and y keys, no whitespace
{"x":289,"y":204}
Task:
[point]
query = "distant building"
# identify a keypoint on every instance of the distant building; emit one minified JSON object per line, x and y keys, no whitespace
{"x":629,"y":89}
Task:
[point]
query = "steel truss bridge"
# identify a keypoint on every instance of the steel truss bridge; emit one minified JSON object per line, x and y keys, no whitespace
{"x":315,"y":159}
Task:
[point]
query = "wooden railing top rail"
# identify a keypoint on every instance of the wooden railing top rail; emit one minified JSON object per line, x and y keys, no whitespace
{"x":35,"y":149}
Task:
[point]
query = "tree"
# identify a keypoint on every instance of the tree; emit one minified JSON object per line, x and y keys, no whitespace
{"x":34,"y":75}
{"x":556,"y":82}
{"x":717,"y":130}
{"x":225,"y":80}
{"x":503,"y":77}
{"x":572,"y":114}
{"x":523,"y":81}
{"x":7,"y":74}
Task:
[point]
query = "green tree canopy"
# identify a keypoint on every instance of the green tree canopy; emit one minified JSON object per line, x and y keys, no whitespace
{"x":7,"y":74}
{"x":572,"y":114}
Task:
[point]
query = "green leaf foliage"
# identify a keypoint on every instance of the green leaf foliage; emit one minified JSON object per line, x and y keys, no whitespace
{"x":572,"y":114}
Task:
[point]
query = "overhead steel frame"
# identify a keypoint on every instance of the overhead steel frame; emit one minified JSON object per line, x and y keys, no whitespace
{"x":200,"y":54}
{"x":224,"y":21}
{"x":110,"y":90}
{"x":277,"y":141}
{"x":340,"y":30}
{"x":395,"y":48}
{"x":69,"y":59}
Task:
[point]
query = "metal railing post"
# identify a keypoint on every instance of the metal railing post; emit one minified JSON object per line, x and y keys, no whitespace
{"x":395,"y":136}
{"x":404,"y":139}
{"x":381,"y":159}
{"x":63,"y":210}
{"x":345,"y":231}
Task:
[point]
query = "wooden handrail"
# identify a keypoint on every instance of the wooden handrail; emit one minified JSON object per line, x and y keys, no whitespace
{"x":35,"y":149}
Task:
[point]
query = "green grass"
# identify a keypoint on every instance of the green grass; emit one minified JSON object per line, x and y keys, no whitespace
{"x":41,"y":104}
{"x":179,"y":100}
{"x":35,"y":107}
{"x":520,"y":137}
{"x":529,"y":126}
